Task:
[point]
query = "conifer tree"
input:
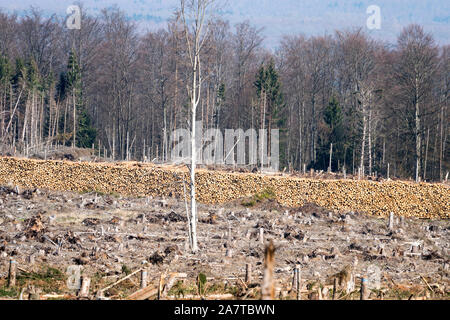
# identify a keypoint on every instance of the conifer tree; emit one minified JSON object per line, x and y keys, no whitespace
{"x":83,"y":132}
{"x":332,"y":133}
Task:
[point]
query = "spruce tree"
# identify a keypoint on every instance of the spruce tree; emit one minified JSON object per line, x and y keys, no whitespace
{"x":332,"y":132}
{"x":268,"y":87}
{"x":85,"y":133}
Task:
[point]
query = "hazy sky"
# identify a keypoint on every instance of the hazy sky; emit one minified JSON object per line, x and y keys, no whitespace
{"x":311,"y":17}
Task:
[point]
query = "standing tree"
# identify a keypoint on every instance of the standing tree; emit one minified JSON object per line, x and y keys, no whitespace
{"x":416,"y":67}
{"x":74,"y":80}
{"x":83,"y":133}
{"x":193,"y":15}
{"x":268,"y":89}
{"x":332,"y":132}
{"x":356,"y":53}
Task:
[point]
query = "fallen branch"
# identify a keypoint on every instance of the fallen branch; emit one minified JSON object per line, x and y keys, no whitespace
{"x":143,"y":294}
{"x":426,"y":282}
{"x":22,"y":269}
{"x":225,"y":296}
{"x":123,"y":279}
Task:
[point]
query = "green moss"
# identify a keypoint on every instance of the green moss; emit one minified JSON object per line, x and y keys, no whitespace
{"x":179,"y":290}
{"x":311,"y":285}
{"x":126,"y":270}
{"x":49,"y":280}
{"x":8,"y":292}
{"x":49,"y":275}
{"x":234,"y":290}
{"x":201,"y":283}
{"x":216,"y":288}
{"x":249,"y":203}
{"x":266,"y":194}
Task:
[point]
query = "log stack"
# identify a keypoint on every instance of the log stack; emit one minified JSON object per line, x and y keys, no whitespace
{"x":420,"y":200}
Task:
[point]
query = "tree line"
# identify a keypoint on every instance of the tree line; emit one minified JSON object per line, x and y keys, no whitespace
{"x":108,"y":86}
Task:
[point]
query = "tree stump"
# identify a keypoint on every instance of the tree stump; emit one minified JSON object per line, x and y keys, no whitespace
{"x":12,"y":273}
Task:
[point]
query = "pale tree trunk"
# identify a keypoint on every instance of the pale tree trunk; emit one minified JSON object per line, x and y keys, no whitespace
{"x":313,"y":131}
{"x":32,"y":134}
{"x":74,"y":120}
{"x":263,"y":122}
{"x":194,"y":244}
{"x":441,"y":153}
{"x":197,"y":11}
{"x":2,"y":113}
{"x":51,"y":113}
{"x":331,"y":158}
{"x":114,"y":142}
{"x":426,"y":156}
{"x":13,"y":111}
{"x":363,"y":143}
{"x":195,"y":97}
{"x":302,"y":134}
{"x":417,"y":133}
{"x":56,"y":122}
{"x":42,"y":118}
{"x":165,"y":140}
{"x":300,"y":160}
{"x":370,"y":140}
{"x":435,"y":153}
{"x":127,"y":152}
{"x":25,"y":121}
{"x":65,"y":122}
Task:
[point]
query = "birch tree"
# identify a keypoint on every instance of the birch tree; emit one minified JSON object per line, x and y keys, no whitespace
{"x":194,"y":17}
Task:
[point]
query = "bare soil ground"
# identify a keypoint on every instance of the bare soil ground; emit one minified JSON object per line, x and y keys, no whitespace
{"x":111,"y":236}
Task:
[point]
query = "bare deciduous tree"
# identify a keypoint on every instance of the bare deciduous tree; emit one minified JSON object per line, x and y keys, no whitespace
{"x":194,"y":14}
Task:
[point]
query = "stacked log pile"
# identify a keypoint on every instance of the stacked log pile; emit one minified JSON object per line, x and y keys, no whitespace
{"x":214,"y":187}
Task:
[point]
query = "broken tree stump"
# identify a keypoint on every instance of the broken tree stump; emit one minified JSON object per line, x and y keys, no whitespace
{"x":12,"y":273}
{"x":85,"y":284}
{"x":415,"y":249}
{"x":402,"y":222}
{"x":166,"y":282}
{"x":364,"y":292}
{"x":297,"y":276}
{"x":248,"y":273}
{"x":162,"y":280}
{"x":261,"y":235}
{"x":268,"y":286}
{"x":296,"y":287}
{"x":31,"y":259}
{"x":391,"y":221}
{"x":325,"y":292}
{"x":173,"y":278}
{"x":143,"y":279}
{"x":334,"y":288}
